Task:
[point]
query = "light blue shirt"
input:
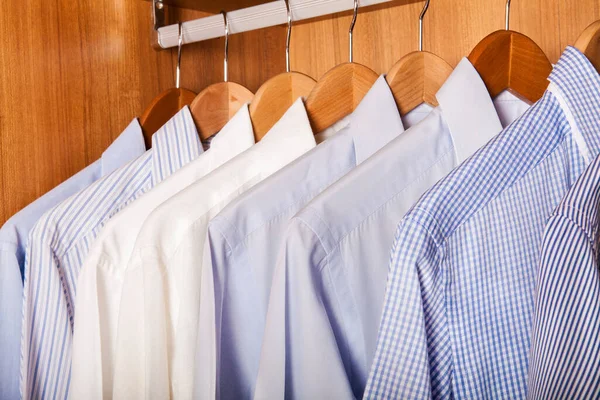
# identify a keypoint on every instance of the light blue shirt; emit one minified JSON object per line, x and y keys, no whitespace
{"x":329,"y":282}
{"x":13,"y":242}
{"x":460,"y":296}
{"x":59,"y":243}
{"x":565,"y":344}
{"x":245,"y":237}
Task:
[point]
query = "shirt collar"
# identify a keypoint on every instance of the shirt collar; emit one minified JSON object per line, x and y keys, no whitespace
{"x":128,"y":146}
{"x":235,"y":137}
{"x":468,"y":110}
{"x":288,"y":139}
{"x":175,"y":144}
{"x":579,"y":84}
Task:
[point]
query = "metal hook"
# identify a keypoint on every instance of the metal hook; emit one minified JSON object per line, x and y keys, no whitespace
{"x":423,"y":12}
{"x":352,"y":28}
{"x":179,"y":45}
{"x":507,"y":14}
{"x":289,"y":36}
{"x":225,"y":68}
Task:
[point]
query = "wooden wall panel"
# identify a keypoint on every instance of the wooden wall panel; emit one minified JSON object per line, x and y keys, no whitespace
{"x":74,"y":73}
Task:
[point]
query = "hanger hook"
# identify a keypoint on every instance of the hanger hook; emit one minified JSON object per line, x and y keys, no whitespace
{"x":507,"y":14}
{"x":225,"y":67}
{"x":423,"y":12}
{"x":352,"y":29}
{"x":179,"y":46}
{"x":289,"y":36}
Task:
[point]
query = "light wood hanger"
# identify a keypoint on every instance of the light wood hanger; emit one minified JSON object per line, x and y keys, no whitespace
{"x":214,"y":106}
{"x":417,"y":77}
{"x":589,"y":44}
{"x":277,"y":95}
{"x":508,"y":60}
{"x":164,"y":106}
{"x":340,"y":90}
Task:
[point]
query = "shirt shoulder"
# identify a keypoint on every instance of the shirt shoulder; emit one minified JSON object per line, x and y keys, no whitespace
{"x":494,"y":168}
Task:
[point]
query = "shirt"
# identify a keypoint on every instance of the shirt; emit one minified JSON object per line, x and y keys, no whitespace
{"x":13,"y":242}
{"x":457,"y":315}
{"x":102,"y":272}
{"x":158,"y":320}
{"x":59,"y":243}
{"x":244,"y":239}
{"x":327,"y":292}
{"x":565,"y":342}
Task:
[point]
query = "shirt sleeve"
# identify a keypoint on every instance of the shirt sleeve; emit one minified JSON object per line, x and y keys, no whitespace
{"x":11,"y":301}
{"x":300,"y":357}
{"x":565,"y":349}
{"x":412,"y":340}
{"x":46,"y":334}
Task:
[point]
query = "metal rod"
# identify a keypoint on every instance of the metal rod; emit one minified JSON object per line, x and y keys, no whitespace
{"x":507,"y":15}
{"x":180,"y":45}
{"x":423,"y":12}
{"x":352,"y":30}
{"x":225,"y":61}
{"x":256,"y":17}
{"x":289,"y":36}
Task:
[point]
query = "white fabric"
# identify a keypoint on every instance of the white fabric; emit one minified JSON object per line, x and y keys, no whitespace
{"x":157,"y":325}
{"x":101,"y":277}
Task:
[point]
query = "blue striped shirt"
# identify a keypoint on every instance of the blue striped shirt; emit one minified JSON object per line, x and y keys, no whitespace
{"x":59,"y":243}
{"x":565,"y":348}
{"x":460,"y":295}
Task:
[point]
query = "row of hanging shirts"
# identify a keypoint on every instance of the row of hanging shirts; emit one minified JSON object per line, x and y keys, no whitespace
{"x":258,"y":264}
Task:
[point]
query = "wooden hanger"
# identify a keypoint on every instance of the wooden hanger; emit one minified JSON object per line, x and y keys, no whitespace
{"x":589,"y":44}
{"x":215,"y":105}
{"x":167,"y":104}
{"x":339,"y":91}
{"x":508,"y":60}
{"x":277,"y":95}
{"x":417,"y":77}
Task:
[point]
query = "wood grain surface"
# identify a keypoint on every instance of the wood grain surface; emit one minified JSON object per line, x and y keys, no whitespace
{"x":74,"y":73}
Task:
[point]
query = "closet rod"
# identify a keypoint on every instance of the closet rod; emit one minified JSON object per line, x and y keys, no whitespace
{"x":251,"y":18}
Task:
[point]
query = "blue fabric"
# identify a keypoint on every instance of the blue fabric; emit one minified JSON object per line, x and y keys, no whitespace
{"x":460,"y":296}
{"x":13,"y":242}
{"x":565,"y":348}
{"x":59,"y":243}
{"x":245,"y":237}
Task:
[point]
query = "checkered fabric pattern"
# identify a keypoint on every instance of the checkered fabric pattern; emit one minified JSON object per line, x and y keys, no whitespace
{"x":460,"y":296}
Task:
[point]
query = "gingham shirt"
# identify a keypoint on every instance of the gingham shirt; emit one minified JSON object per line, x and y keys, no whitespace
{"x":457,"y":315}
{"x":565,"y":348}
{"x":59,"y":243}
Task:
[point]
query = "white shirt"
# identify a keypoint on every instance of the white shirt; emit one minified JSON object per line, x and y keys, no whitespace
{"x":159,"y":306}
{"x":101,"y":276}
{"x":329,"y":282}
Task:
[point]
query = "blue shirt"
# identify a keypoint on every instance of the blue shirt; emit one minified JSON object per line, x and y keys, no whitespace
{"x":327,"y":293}
{"x":244,"y":238}
{"x":565,"y":348}
{"x":460,"y":295}
{"x":13,"y":242}
{"x":59,"y":243}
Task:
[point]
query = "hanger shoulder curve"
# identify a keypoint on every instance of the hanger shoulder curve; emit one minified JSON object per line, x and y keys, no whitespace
{"x":510,"y":60}
{"x":214,"y":106}
{"x":275,"y":97}
{"x":162,"y":109}
{"x":416,"y":78}
{"x":337,"y":94}
{"x":589,"y":44}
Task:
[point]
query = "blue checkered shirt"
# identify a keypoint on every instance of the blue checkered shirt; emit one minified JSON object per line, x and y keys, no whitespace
{"x":59,"y":243}
{"x":460,"y":293}
{"x":565,"y":347}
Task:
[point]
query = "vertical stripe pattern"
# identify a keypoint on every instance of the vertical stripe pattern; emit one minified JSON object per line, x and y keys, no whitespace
{"x":460,"y":294}
{"x":59,"y":243}
{"x":565,"y":350}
